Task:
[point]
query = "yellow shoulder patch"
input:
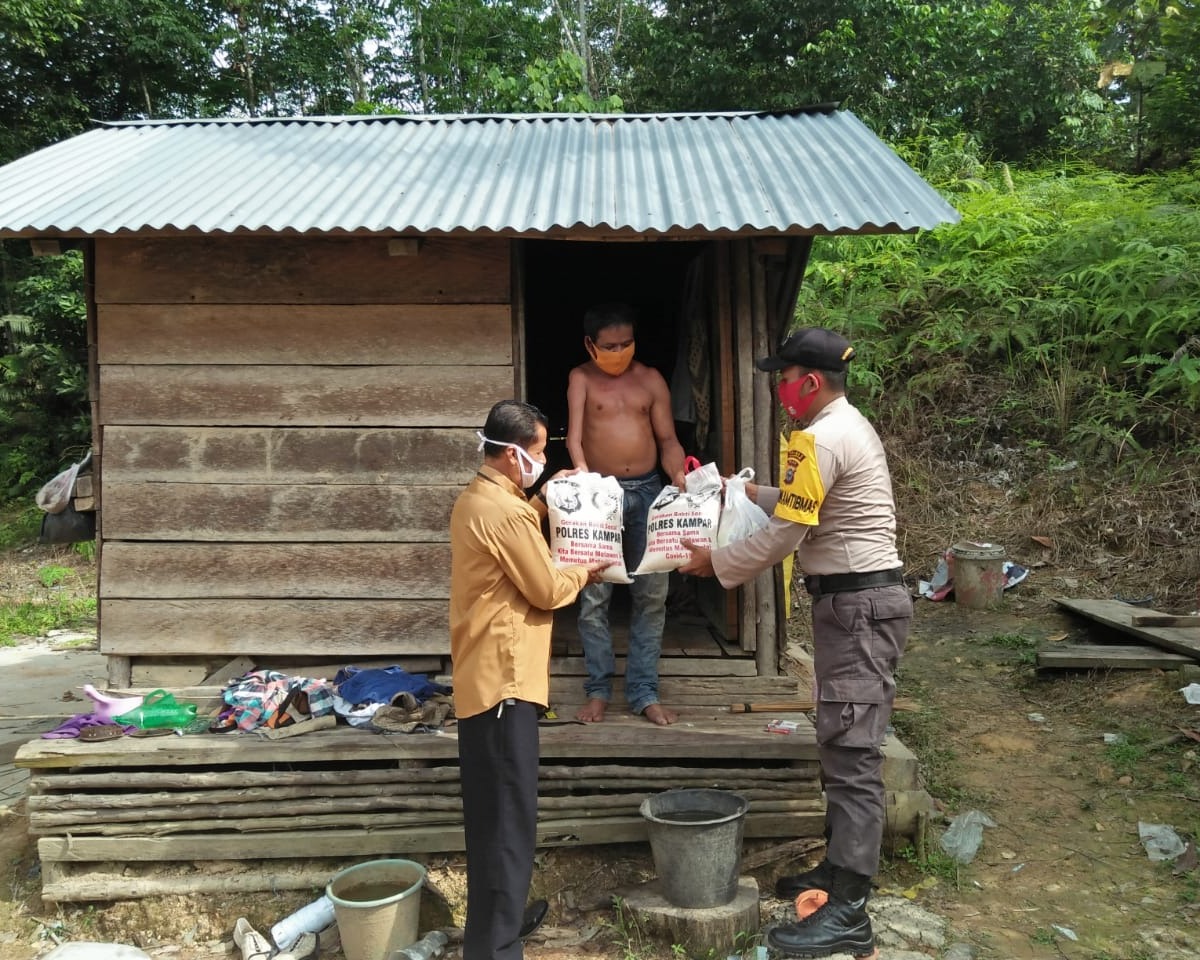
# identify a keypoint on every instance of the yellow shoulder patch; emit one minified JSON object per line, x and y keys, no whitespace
{"x":801,"y":492}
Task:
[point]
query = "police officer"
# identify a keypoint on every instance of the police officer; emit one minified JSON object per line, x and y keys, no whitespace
{"x":835,"y":506}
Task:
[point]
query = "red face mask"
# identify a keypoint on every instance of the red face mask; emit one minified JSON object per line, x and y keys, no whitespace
{"x":792,"y":397}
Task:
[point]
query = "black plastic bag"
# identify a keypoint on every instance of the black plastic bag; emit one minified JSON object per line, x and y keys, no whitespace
{"x":68,"y":526}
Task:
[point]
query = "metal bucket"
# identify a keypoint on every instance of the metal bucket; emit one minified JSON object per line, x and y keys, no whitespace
{"x":978,"y":575}
{"x":696,"y":840}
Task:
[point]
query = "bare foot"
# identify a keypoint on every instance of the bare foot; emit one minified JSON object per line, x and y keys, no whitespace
{"x":592,"y":711}
{"x":657,"y":713}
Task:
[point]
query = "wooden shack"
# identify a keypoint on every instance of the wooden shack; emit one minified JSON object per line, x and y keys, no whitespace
{"x":295,"y":327}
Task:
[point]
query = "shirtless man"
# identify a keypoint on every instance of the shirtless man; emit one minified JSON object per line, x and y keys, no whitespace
{"x":620,"y":425}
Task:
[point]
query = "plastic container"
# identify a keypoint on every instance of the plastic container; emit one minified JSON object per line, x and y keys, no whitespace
{"x":311,"y":918}
{"x":159,"y":710}
{"x":978,"y":575}
{"x":696,"y":840}
{"x":378,"y":907}
{"x":433,"y":944}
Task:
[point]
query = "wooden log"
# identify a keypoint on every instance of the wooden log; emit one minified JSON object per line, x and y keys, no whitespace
{"x":451,"y":334}
{"x":781,"y":852}
{"x":299,"y":270}
{"x":119,"y":887}
{"x":233,"y":797}
{"x":257,"y":395}
{"x":44,"y":781}
{"x":554,"y":771}
{"x":366,"y":839}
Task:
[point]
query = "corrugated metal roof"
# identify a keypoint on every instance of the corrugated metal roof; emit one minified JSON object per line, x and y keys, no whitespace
{"x":818,"y":171}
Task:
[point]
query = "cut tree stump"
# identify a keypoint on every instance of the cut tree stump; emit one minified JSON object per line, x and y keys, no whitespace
{"x":701,"y":931}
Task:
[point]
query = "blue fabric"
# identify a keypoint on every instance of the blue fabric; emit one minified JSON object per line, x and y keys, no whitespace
{"x":380,"y":685}
{"x":648,"y":611}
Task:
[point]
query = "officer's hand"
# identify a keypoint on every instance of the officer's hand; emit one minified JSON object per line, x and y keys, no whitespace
{"x":701,"y":563}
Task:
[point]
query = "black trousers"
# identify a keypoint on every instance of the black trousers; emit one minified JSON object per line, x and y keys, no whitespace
{"x":498,"y":760}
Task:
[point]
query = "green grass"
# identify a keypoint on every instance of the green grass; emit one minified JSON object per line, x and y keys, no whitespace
{"x":35,"y":618}
{"x":52,"y":575}
{"x":19,"y":524}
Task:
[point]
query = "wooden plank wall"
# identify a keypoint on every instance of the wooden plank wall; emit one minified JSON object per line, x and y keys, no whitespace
{"x":284,"y":424}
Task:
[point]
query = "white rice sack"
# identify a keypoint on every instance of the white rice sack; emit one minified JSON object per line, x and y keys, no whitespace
{"x":586,"y":517}
{"x":678,"y":515}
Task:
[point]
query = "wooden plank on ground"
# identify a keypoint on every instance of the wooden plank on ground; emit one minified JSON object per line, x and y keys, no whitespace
{"x":258,"y":628}
{"x":392,"y":571}
{"x":351,"y":455}
{"x":439,"y":334}
{"x":1164,"y":620}
{"x":1119,"y":616}
{"x":259,"y":395}
{"x":272,"y":513}
{"x":1108,"y":656}
{"x":300,"y":270}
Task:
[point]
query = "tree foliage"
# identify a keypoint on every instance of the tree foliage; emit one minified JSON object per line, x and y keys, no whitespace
{"x":1078,"y":278}
{"x":1078,"y":282}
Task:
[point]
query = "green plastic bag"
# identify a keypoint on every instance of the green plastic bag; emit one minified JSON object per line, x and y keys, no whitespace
{"x":159,"y":710}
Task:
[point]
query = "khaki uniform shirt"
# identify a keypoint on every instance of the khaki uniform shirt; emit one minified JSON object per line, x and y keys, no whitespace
{"x":840,"y":515}
{"x":503,"y":589}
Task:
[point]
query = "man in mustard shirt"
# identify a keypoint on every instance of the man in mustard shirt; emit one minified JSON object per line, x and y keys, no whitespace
{"x":504,"y":588}
{"x":835,"y":507}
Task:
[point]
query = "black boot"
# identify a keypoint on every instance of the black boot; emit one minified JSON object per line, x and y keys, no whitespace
{"x":819,"y":877}
{"x":841,"y":926}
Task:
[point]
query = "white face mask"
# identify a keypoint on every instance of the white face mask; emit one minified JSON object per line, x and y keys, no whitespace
{"x":531,"y":470}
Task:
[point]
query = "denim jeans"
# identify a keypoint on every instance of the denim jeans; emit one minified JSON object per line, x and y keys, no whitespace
{"x":648,"y":612}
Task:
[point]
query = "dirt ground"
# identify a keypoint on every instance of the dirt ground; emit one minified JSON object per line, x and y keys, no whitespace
{"x":1061,"y":874}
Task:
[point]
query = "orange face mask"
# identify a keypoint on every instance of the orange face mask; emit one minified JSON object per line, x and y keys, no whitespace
{"x":612,"y":362}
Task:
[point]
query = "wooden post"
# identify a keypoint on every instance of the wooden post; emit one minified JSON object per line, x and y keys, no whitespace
{"x":763,"y":404}
{"x":743,"y":319}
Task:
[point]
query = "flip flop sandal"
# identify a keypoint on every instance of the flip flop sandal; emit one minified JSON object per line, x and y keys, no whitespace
{"x":69,"y":729}
{"x":152,"y":732}
{"x":103,"y":731}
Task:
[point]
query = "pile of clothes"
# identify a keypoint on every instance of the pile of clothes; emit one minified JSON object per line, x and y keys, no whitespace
{"x":386,"y":699}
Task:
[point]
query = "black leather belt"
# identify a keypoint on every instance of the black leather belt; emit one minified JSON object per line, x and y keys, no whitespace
{"x":818,"y":586}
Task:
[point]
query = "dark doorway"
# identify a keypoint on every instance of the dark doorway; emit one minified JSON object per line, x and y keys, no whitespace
{"x":562,"y":279}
